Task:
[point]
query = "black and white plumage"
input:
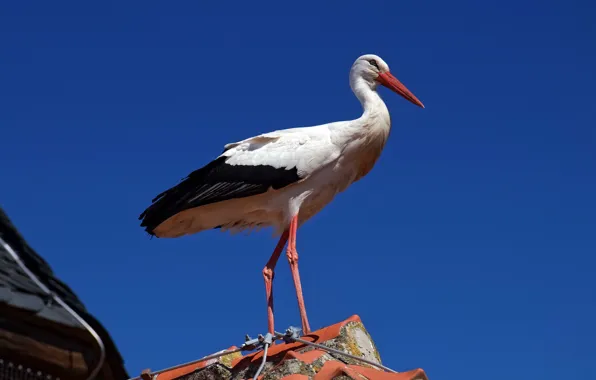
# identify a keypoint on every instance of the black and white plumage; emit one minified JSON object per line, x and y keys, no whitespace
{"x":267,"y":179}
{"x":282,"y":178}
{"x":218,"y":181}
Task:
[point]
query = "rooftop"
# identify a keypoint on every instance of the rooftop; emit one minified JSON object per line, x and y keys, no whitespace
{"x":33,"y":327}
{"x":293,"y":361}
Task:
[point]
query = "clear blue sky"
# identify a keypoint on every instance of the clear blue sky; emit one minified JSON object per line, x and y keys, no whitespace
{"x":468,"y":249}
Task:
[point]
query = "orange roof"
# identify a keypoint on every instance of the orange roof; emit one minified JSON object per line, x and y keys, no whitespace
{"x":281,"y":352}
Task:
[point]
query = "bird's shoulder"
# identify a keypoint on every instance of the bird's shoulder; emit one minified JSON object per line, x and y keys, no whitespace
{"x":305,"y":148}
{"x":290,"y":136}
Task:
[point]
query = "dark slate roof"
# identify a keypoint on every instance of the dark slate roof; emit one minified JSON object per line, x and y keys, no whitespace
{"x":18,"y":290}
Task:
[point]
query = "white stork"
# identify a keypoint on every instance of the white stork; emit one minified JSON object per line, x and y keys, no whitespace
{"x":282,"y":178}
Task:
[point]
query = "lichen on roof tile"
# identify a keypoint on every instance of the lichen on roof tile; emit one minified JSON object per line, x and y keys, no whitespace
{"x":296,"y":361}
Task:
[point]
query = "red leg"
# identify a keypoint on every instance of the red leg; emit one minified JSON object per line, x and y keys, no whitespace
{"x":268,"y":276}
{"x":293,"y":259}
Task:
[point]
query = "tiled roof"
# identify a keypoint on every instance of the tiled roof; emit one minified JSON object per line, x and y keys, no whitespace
{"x":295,"y":361}
{"x":19,"y":292}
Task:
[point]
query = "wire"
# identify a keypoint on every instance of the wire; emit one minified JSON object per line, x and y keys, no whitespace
{"x":266,"y":347}
{"x":281,"y":336}
{"x":214,"y":356}
{"x":45,"y":289}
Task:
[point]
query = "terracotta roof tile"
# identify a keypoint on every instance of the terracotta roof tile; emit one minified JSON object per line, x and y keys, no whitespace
{"x":297,"y":361}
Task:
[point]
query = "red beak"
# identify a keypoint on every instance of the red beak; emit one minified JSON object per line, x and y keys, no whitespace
{"x":391,"y":82}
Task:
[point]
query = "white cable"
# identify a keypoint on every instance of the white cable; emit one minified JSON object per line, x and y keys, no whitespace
{"x":265,"y":349}
{"x":59,"y":300}
{"x":256,"y":376}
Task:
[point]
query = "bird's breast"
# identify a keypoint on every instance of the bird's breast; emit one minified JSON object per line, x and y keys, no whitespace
{"x":366,"y":152}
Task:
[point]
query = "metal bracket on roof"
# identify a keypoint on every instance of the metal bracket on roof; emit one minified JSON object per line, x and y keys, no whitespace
{"x":265,"y":341}
{"x":256,"y":343}
{"x":291,"y":334}
{"x":261,"y":342}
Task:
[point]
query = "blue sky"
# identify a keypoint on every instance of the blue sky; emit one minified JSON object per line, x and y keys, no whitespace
{"x":469,"y":247}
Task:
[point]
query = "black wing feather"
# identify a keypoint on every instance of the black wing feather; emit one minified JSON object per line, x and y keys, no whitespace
{"x":215,"y":182}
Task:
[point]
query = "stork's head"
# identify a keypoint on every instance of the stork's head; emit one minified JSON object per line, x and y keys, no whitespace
{"x":373,"y":70}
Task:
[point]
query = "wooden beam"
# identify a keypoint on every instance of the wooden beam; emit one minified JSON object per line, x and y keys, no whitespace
{"x":29,"y":349}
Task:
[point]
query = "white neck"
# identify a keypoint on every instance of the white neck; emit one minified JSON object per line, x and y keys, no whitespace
{"x":373,"y":106}
{"x":367,"y":135}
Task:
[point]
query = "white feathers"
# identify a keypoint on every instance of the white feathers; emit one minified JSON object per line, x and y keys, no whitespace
{"x":306,"y":149}
{"x":327,"y":159}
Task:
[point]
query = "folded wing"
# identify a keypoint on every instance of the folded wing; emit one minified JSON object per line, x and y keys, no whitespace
{"x":245,"y":168}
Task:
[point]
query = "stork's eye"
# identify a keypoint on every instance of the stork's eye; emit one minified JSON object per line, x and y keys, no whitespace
{"x":374,"y":63}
